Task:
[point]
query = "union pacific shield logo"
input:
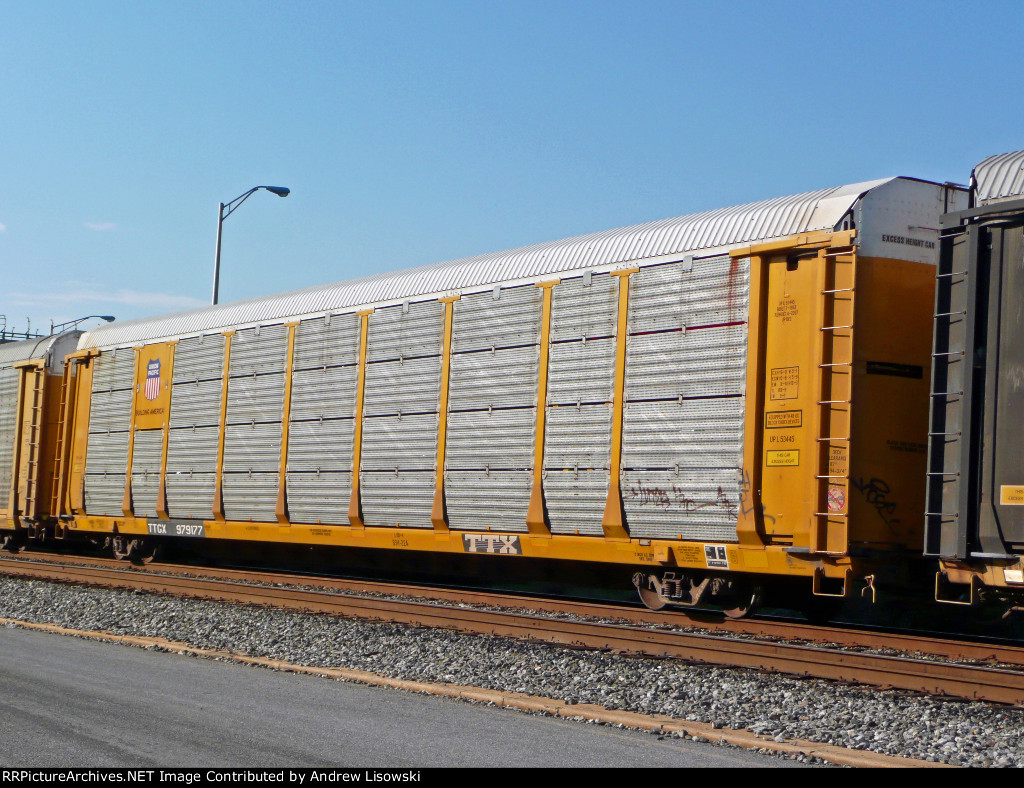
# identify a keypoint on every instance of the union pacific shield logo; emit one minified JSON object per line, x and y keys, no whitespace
{"x":152,"y":390}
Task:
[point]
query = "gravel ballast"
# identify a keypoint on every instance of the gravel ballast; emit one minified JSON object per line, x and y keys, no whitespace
{"x":773,"y":706}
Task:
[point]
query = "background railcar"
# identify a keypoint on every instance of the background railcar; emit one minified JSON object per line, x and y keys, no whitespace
{"x":975,"y":507}
{"x":33,"y":391}
{"x":716,"y":400}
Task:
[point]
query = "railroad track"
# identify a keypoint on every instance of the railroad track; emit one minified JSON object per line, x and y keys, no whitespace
{"x":744,"y":644}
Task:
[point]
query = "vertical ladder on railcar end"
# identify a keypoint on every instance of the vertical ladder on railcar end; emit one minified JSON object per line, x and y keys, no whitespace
{"x":58,"y":454}
{"x":830,"y":533}
{"x":952,"y":388}
{"x":34,"y":444}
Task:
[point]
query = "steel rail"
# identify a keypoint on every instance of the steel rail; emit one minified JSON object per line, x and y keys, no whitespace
{"x":940,"y":678}
{"x":784,"y":630}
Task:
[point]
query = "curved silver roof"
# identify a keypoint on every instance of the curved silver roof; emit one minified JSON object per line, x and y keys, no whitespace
{"x":705,"y":233}
{"x":998,"y":178}
{"x":60,"y":345}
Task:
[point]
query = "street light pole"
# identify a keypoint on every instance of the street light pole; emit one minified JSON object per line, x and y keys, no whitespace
{"x":216,"y":262}
{"x":226,"y":209}
{"x":59,"y":328}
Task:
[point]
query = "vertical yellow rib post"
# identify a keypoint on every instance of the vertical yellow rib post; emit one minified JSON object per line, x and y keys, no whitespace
{"x":126,"y":502}
{"x":161,"y":495}
{"x":536,"y":514}
{"x":750,"y":519}
{"x":12,"y":494}
{"x":218,"y":494}
{"x":83,"y":405}
{"x":355,"y":507}
{"x":281,"y":510}
{"x":439,"y":511}
{"x":613,"y":522}
{"x":67,"y":427}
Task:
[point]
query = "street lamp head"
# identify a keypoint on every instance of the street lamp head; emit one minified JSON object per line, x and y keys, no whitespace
{"x":108,"y":318}
{"x":280,"y":191}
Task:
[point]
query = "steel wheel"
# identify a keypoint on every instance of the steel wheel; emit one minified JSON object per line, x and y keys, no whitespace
{"x":746,"y":603}
{"x":13,"y":542}
{"x":144,"y":551}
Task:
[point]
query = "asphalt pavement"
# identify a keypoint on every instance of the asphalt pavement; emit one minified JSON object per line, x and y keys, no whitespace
{"x":67,"y":701}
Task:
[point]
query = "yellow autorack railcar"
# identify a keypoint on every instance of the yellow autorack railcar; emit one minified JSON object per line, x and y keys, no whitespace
{"x":714,"y":401}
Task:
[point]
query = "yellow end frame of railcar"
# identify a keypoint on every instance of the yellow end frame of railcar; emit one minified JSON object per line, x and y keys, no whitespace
{"x":35,"y":464}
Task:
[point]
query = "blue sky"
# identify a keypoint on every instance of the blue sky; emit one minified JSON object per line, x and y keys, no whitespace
{"x":413,"y":132}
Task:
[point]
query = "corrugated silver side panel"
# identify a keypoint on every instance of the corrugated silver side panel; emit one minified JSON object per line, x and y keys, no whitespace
{"x":324,"y":393}
{"x":407,"y":443}
{"x":505,"y":378}
{"x":192,"y":450}
{"x":667,"y":297}
{"x":252,"y":447}
{"x":999,"y":177}
{"x":320,"y":345}
{"x":199,"y":358}
{"x":320,"y":445}
{"x":690,"y":434}
{"x":402,"y":499}
{"x":581,"y":372}
{"x":107,"y":453}
{"x":497,"y":500}
{"x":578,"y":437}
{"x":190,"y":495}
{"x":691,"y":505}
{"x":104,"y":494}
{"x":256,"y":399}
{"x":410,"y":386}
{"x":481,"y":322}
{"x":319,"y":498}
{"x":266,"y":351}
{"x":703,"y":363}
{"x":147,"y":453}
{"x":586,"y":310}
{"x":8,"y":423}
{"x":576,"y":501}
{"x":196,"y":404}
{"x":250,"y":496}
{"x":499,"y":439}
{"x":698,"y":440}
{"x":404,"y":331}
{"x":110,"y":410}
{"x":113,"y":370}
